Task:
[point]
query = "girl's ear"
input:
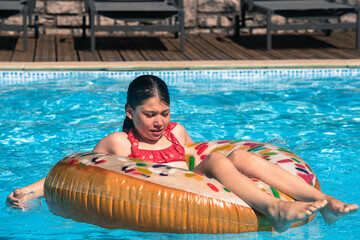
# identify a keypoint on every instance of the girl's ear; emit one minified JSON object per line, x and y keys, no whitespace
{"x":129,"y":111}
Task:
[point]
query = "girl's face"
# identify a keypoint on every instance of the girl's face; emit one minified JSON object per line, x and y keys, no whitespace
{"x":150,"y":119}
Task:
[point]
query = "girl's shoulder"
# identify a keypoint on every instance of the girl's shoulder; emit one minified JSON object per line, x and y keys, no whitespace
{"x":181,"y":134}
{"x":177,"y":128}
{"x":117,"y":135}
{"x":118,"y":138}
{"x":114,"y":143}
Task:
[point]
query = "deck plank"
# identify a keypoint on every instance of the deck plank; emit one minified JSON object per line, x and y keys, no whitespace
{"x":226,"y":46}
{"x":197,"y":46}
{"x":65,"y":49}
{"x":344,"y":40}
{"x":170,"y":51}
{"x":21,"y":56}
{"x":219,"y":47}
{"x":127,"y":50}
{"x":173,"y":48}
{"x":7,"y":45}
{"x":251,"y":54}
{"x":190,"y":53}
{"x":211,"y":49}
{"x":107,"y":50}
{"x":152,"y":47}
{"x":45,"y":49}
{"x":147,"y":47}
{"x":82,"y":46}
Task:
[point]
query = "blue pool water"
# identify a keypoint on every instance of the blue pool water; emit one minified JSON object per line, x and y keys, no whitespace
{"x":47,"y":115}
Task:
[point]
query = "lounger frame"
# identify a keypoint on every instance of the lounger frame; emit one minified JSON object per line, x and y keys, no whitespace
{"x":323,"y":12}
{"x":10,"y":8}
{"x":141,"y":11}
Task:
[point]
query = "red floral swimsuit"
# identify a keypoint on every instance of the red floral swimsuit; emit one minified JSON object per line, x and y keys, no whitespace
{"x":174,"y":153}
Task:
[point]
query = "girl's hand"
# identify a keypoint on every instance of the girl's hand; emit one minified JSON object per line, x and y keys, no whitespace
{"x":20,"y":196}
{"x":15,"y":199}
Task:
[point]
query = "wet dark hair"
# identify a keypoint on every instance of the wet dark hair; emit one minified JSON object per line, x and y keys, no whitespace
{"x":141,"y":89}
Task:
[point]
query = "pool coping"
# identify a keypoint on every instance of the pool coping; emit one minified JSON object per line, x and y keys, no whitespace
{"x":178,"y":65}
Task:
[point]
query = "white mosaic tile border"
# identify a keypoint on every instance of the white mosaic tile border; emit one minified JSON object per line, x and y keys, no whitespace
{"x":176,"y":77}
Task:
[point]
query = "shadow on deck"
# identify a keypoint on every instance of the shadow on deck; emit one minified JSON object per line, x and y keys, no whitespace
{"x":340,"y":45}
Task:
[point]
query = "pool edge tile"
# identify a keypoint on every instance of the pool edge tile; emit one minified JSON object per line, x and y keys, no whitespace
{"x":177,"y":65}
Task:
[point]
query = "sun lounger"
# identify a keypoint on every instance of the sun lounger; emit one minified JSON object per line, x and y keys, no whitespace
{"x":9,"y":8}
{"x":141,"y":11}
{"x":321,"y":13}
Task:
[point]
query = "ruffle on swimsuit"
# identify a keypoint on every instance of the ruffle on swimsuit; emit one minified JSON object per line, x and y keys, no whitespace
{"x":174,"y":153}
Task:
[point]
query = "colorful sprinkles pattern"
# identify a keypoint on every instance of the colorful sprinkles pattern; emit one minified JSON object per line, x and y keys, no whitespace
{"x":158,"y":173}
{"x":277,"y":155}
{"x":196,"y":182}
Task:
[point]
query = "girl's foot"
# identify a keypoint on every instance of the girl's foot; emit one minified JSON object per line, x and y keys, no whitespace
{"x":285,"y":213}
{"x":336,"y":209}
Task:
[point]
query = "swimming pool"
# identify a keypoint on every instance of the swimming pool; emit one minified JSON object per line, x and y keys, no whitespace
{"x":47,"y":115}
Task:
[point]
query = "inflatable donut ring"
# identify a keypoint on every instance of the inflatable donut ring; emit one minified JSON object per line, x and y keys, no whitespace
{"x":117,"y":192}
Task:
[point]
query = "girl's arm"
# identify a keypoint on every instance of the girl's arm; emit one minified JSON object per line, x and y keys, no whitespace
{"x":182,"y":135}
{"x":20,"y":196}
{"x":188,"y":139}
{"x":114,"y":143}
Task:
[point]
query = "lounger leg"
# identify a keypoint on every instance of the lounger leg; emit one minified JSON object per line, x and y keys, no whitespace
{"x":25,"y":31}
{"x":268,"y":31}
{"x":358,"y":29}
{"x":36,"y":26}
{"x":236,"y":25}
{"x":182,"y":30}
{"x":243,"y":17}
{"x":176,"y":22}
{"x":92,"y":32}
{"x":84,"y":27}
{"x":30,"y":19}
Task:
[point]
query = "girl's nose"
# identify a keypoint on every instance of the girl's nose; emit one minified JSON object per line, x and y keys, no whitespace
{"x":158,"y":122}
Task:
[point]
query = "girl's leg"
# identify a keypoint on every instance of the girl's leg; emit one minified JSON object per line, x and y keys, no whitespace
{"x":281,"y":213}
{"x":253,"y":166}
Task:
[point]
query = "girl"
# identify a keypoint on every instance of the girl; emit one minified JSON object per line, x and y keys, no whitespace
{"x":148,"y":134}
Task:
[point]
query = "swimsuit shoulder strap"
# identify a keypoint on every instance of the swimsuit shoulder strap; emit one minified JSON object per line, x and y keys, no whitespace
{"x":168,"y":133}
{"x":134,"y":141}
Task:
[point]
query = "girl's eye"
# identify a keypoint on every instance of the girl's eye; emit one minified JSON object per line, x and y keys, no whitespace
{"x":150,"y":115}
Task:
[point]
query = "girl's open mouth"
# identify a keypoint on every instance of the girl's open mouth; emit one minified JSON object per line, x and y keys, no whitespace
{"x":156,"y":132}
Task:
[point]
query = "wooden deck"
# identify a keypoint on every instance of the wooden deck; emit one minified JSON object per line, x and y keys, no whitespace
{"x":53,"y":48}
